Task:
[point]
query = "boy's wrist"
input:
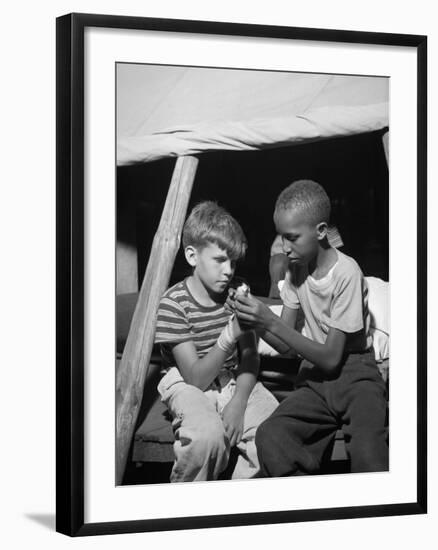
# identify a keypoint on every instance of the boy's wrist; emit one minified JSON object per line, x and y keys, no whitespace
{"x":271,"y":323}
{"x":228,"y":337}
{"x":225,"y":344}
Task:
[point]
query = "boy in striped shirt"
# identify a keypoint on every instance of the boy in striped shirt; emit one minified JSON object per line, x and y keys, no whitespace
{"x":212,"y":395}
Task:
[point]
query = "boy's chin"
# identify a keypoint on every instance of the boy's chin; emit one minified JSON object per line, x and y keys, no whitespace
{"x":218,"y":289}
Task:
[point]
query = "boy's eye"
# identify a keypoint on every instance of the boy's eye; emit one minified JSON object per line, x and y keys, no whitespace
{"x":290,"y":238}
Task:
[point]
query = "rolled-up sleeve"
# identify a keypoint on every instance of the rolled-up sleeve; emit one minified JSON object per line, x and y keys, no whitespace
{"x":347,"y":305}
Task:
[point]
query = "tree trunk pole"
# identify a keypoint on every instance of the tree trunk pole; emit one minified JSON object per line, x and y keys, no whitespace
{"x":136,"y":355}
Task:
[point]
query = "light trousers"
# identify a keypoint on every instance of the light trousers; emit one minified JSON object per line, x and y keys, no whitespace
{"x":201,"y":447}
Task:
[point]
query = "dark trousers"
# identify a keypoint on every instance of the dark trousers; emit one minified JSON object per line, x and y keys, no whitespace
{"x":294,"y":438}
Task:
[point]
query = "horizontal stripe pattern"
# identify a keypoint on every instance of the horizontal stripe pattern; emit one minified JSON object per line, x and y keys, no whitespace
{"x":181,"y":319}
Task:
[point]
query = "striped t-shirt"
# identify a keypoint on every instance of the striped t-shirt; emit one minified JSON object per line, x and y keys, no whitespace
{"x":182,"y":318}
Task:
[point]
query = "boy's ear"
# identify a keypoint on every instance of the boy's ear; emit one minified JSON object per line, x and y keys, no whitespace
{"x":191,"y":255}
{"x":321,"y":231}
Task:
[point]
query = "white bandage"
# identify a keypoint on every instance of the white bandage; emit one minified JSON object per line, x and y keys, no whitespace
{"x":242,"y":290}
{"x":229,"y":335}
{"x":231,"y":332}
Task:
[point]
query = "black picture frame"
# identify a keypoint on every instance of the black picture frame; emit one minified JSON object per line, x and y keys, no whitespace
{"x":70,"y":272}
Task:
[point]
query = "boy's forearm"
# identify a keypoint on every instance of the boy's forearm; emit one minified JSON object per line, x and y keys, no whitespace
{"x":248,"y":369}
{"x":283,"y":338}
{"x":205,"y":369}
{"x":274,"y":341}
{"x":245,"y":383}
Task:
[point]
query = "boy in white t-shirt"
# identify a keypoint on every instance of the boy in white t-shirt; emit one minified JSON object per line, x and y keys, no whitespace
{"x":338,"y":384}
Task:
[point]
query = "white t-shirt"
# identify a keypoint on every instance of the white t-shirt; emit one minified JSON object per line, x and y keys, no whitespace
{"x":339,"y":300}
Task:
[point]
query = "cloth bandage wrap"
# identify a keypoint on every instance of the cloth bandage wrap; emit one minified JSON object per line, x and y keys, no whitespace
{"x":229,"y":335}
{"x":231,"y":332}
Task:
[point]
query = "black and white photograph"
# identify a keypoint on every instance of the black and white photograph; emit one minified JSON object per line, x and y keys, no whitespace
{"x":252,"y":274}
{"x":184,"y":185}
{"x":241,"y":308}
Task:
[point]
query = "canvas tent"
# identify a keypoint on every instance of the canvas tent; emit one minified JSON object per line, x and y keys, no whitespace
{"x":184,"y":112}
{"x":187,"y":111}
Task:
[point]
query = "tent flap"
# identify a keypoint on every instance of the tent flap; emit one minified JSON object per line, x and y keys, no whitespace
{"x":315,"y":124}
{"x":175,"y":111}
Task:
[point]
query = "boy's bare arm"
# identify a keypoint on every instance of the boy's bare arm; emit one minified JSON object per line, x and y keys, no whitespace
{"x":246,"y":378}
{"x":326,"y":356}
{"x":279,"y":333}
{"x":199,"y":372}
{"x":289,"y":317}
{"x":277,"y":269}
{"x":248,"y":368}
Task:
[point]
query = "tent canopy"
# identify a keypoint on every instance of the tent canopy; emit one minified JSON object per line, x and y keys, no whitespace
{"x":175,"y":111}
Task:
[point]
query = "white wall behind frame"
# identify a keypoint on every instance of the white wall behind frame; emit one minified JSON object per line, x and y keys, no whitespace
{"x":27,"y":274}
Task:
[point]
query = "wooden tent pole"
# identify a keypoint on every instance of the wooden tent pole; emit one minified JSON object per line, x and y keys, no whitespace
{"x":136,"y":355}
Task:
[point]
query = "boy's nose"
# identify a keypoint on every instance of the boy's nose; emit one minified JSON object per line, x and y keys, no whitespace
{"x":228,"y":270}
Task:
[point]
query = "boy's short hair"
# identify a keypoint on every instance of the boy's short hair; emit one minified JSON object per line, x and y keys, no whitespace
{"x":308,"y":197}
{"x":210,"y":223}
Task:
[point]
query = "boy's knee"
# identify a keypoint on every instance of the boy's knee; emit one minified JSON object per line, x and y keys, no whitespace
{"x":263,"y":435}
{"x":211,"y":441}
{"x":267,"y":444}
{"x":201,"y":452}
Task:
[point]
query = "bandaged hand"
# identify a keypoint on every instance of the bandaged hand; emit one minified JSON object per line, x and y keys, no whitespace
{"x":233,"y":292}
{"x":229,"y":335}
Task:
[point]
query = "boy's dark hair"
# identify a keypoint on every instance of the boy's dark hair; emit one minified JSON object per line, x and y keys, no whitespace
{"x":210,"y":223}
{"x":306,"y":196}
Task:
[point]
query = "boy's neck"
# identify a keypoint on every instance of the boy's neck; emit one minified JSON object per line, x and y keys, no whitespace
{"x":323,"y":262}
{"x":200,"y":292}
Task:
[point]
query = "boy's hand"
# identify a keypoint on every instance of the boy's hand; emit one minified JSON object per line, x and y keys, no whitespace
{"x":253,"y":313}
{"x":230,"y":304}
{"x":232,"y":417}
{"x":233,"y":293}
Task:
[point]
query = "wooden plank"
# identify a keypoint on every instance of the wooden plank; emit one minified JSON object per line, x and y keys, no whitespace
{"x":133,"y":366}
